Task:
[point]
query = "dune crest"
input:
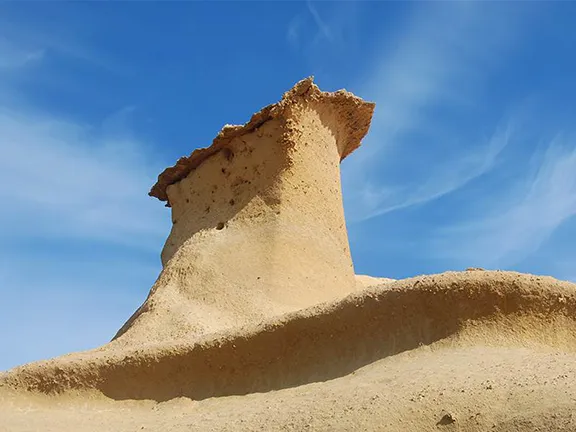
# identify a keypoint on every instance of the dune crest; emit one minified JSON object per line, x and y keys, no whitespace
{"x":258,"y":321}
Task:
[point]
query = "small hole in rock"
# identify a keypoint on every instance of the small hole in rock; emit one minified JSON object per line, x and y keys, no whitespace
{"x":220,"y":225}
{"x":228,"y":154}
{"x":231,"y":202}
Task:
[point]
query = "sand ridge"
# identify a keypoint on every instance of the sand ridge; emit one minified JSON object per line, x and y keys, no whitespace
{"x":467,"y":351}
{"x":342,"y":336}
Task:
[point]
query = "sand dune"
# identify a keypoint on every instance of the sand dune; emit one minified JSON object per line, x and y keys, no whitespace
{"x":259,"y":323}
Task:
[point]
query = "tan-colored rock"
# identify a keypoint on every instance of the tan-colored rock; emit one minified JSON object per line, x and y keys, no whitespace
{"x":257,"y":321}
{"x":258,"y":222}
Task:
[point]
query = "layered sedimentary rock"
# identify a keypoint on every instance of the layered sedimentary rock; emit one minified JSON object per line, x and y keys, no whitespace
{"x":258,"y":222}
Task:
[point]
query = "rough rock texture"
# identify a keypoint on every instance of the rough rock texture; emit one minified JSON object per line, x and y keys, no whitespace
{"x":258,"y":223}
{"x":341,"y":106}
{"x":257,"y":321}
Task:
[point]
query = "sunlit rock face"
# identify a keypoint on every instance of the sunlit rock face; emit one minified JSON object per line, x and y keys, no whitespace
{"x":258,"y":222}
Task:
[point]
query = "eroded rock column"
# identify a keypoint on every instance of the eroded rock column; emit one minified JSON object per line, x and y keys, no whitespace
{"x":258,"y":222}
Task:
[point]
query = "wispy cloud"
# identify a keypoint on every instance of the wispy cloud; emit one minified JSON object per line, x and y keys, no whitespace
{"x":83,"y":183}
{"x":21,"y":43}
{"x":309,"y":28}
{"x":514,"y":225}
{"x":74,"y":202}
{"x":14,"y":57}
{"x":434,"y":64}
{"x":444,"y":178}
{"x":323,"y":27}
{"x":293,"y":31}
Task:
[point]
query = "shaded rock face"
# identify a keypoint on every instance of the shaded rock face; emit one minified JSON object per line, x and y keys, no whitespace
{"x":258,"y":222}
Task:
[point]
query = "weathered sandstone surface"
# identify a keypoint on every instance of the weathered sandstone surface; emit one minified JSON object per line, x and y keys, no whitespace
{"x":258,"y":223}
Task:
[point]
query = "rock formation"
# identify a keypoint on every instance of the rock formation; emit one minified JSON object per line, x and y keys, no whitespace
{"x":258,"y":224}
{"x":257,"y":321}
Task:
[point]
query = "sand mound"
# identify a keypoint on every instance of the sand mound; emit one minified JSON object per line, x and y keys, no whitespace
{"x":429,"y":342}
{"x":323,"y":342}
{"x":257,"y":321}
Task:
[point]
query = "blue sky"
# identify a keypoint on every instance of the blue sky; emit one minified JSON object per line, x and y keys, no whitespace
{"x":470,"y":161}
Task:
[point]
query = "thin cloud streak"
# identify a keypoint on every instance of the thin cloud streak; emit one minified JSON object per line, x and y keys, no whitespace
{"x":320,"y":23}
{"x":45,"y":42}
{"x":432,"y":67}
{"x":298,"y":33}
{"x":13,"y":57}
{"x":446,"y":178}
{"x":293,"y":32}
{"x":514,"y":227}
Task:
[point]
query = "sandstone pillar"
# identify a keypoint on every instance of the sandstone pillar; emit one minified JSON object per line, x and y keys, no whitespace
{"x":258,"y":222}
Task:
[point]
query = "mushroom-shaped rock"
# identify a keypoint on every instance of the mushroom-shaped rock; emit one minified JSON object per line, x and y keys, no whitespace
{"x":258,"y":221}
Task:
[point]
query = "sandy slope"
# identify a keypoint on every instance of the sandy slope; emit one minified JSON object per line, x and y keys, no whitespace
{"x":481,"y":387}
{"x":480,"y":350}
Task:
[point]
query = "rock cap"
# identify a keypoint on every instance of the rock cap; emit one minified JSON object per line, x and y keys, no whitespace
{"x":354,"y":112}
